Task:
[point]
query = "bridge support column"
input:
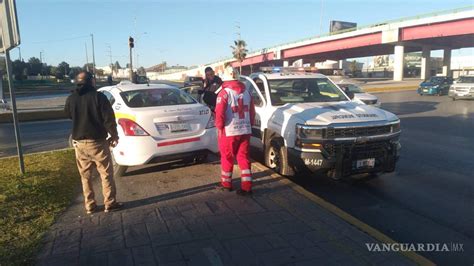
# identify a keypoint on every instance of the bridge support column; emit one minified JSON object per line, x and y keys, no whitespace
{"x":425,"y":63}
{"x":447,"y":62}
{"x":398,"y":63}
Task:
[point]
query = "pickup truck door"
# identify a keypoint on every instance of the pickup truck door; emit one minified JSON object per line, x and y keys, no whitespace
{"x":259,"y":102}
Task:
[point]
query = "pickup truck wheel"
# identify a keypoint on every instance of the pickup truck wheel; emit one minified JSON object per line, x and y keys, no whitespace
{"x":119,"y":170}
{"x":276,"y":158}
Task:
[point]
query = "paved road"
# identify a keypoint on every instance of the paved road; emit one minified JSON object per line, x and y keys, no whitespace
{"x":429,"y":199}
{"x":36,"y":136}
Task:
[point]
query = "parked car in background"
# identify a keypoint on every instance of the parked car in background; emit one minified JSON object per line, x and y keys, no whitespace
{"x":438,"y":85}
{"x":463,"y":88}
{"x":193,"y":81}
{"x":359,"y":94}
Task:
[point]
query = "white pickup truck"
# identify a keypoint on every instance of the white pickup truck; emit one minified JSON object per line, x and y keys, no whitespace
{"x":306,"y":122}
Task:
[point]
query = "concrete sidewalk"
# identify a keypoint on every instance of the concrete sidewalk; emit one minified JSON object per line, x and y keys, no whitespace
{"x":174,"y":216}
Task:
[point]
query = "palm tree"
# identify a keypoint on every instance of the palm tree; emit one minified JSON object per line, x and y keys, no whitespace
{"x":239,"y":51}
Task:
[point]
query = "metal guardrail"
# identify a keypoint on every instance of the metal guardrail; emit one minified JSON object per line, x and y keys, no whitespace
{"x":431,"y":14}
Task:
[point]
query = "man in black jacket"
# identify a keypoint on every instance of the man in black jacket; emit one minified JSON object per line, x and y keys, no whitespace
{"x":92,"y":121}
{"x":211,"y":84}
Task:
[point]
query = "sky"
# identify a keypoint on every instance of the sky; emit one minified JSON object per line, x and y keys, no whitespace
{"x":190,"y":32}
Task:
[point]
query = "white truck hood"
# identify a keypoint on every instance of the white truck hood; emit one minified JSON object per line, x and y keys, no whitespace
{"x":365,"y":96}
{"x":334,"y":113}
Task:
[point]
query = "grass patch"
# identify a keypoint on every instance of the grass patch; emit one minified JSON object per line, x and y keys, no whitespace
{"x":29,"y":204}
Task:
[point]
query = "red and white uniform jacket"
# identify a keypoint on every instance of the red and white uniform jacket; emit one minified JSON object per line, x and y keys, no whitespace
{"x":235,"y":111}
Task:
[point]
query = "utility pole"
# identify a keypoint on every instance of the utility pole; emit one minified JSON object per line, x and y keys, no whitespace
{"x":93,"y":54}
{"x":41,"y":60}
{"x":19,"y":53}
{"x":16,"y":125}
{"x":87,"y":58}
{"x":109,"y":51}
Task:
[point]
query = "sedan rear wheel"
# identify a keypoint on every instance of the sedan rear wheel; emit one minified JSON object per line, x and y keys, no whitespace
{"x":119,"y":170}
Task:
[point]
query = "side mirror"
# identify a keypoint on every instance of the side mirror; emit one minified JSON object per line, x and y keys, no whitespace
{"x":350,"y":94}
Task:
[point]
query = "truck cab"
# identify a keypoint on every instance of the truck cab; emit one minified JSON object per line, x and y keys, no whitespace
{"x":306,"y":122}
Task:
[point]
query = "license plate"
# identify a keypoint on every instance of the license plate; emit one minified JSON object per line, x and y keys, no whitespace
{"x":365,"y":163}
{"x":179,"y":127}
{"x":425,"y":90}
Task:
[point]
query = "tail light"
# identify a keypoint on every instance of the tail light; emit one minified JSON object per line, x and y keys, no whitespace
{"x":130,"y":128}
{"x":211,"y":123}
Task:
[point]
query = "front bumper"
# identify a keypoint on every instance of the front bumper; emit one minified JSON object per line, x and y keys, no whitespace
{"x":133,"y":151}
{"x":340,"y":158}
{"x":428,"y":91}
{"x":468,"y":95}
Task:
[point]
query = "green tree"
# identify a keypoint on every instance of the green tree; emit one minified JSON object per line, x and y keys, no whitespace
{"x":34,"y":66}
{"x":59,"y":72}
{"x":64,"y":68}
{"x":74,"y":71}
{"x":19,"y":69}
{"x":239,"y":51}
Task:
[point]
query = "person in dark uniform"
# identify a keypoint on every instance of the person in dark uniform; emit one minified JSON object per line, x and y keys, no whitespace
{"x":93,"y":120}
{"x":210,"y":86}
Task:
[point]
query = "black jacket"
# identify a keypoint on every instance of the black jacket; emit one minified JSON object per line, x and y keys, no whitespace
{"x":207,"y":84}
{"x":91,"y":113}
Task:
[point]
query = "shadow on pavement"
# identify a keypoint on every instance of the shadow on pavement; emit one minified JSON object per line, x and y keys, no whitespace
{"x":405,"y":108}
{"x":160,"y":167}
{"x":204,"y":188}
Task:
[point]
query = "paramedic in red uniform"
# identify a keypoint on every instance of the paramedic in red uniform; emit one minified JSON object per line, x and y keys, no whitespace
{"x":235,"y":115}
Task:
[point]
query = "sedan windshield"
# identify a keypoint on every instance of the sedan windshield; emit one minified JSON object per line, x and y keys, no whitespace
{"x":465,"y":80}
{"x":155,"y":97}
{"x":436,"y":80}
{"x":285,"y":91}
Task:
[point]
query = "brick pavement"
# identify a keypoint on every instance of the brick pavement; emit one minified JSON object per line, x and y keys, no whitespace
{"x":174,"y":216}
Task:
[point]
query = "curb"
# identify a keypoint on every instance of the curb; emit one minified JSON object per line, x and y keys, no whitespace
{"x":413,"y":256}
{"x":33,"y":116}
{"x":391,"y":89}
{"x":36,"y":153}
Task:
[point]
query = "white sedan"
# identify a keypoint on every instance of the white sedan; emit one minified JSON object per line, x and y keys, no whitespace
{"x":157,"y":123}
{"x":359,"y":94}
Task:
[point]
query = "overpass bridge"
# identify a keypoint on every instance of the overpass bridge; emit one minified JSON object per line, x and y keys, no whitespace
{"x":446,"y":30}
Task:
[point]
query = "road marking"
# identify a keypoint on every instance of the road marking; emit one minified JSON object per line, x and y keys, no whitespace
{"x":417,"y":258}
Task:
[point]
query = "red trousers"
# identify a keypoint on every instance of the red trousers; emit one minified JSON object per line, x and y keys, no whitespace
{"x":235,"y":147}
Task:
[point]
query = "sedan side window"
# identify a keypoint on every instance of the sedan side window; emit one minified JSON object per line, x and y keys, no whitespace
{"x":109,"y":96}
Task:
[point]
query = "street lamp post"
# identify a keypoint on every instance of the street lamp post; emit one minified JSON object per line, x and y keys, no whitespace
{"x":93,"y":54}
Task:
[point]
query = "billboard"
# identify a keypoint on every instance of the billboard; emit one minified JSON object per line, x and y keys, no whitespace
{"x":9,"y":33}
{"x":336,"y":25}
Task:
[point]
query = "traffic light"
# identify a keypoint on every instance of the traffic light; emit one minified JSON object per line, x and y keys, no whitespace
{"x":130,"y":42}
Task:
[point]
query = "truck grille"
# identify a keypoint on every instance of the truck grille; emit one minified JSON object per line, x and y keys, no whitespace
{"x":360,"y":150}
{"x":331,"y":133}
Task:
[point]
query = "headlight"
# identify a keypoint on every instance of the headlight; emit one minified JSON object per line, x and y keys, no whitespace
{"x":309,"y":132}
{"x":395,"y":127}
